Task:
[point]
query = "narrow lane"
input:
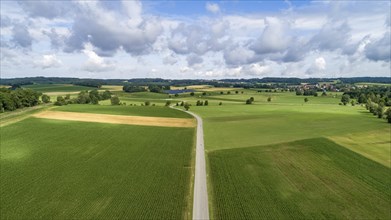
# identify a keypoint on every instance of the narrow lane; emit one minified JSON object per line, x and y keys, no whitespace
{"x":200,"y":202}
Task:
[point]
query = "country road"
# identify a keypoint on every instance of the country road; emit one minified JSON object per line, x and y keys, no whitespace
{"x":200,"y":202}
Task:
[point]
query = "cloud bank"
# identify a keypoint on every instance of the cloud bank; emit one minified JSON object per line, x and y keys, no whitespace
{"x":113,"y":39}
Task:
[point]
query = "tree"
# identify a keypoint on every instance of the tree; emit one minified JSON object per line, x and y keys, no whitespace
{"x":176,"y":95}
{"x":252,"y":99}
{"x":299,"y":92}
{"x":306,"y":99}
{"x":388,"y":115}
{"x":345,"y":99}
{"x":236,"y":92}
{"x":45,"y":98}
{"x":248,"y":102}
{"x":353,"y":103}
{"x":206,"y":102}
{"x":220,"y":103}
{"x":269,"y":99}
{"x":204,"y":93}
{"x":380,"y":111}
{"x":229,"y":92}
{"x":106,"y":95}
{"x":114,"y":100}
{"x":60,"y":101}
{"x":147,"y":103}
{"x":187,"y":106}
{"x":168,"y":103}
{"x":362,"y":99}
{"x":221,"y":92}
{"x":192,"y":93}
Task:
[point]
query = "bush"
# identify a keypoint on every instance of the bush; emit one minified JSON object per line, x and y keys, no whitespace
{"x":206,"y":102}
{"x":220,"y":103}
{"x":388,"y":115}
{"x":345,"y":99}
{"x":168,"y":103}
{"x":114,"y":100}
{"x":248,"y":102}
{"x":45,"y":98}
{"x":147,"y":103}
{"x":269,"y":99}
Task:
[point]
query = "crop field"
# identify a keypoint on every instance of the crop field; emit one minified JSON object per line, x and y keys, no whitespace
{"x":307,"y":179}
{"x":78,"y":170}
{"x":154,"y":111}
{"x":270,"y":160}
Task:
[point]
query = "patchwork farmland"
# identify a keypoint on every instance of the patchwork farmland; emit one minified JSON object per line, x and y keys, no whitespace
{"x":278,"y":159}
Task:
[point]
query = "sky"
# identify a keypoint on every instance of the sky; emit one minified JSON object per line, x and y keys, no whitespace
{"x":194,"y":39}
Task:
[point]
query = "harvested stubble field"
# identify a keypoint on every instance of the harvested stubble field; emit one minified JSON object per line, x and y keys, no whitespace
{"x":308,"y":179}
{"x":154,"y":111}
{"x":117,"y":119}
{"x":53,"y":169}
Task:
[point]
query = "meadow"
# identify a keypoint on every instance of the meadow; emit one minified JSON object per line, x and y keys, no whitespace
{"x":306,"y":179}
{"x":53,"y":169}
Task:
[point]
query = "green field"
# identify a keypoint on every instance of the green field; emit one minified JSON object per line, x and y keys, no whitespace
{"x":307,"y":179}
{"x":57,"y":88}
{"x":52,"y":169}
{"x":154,"y":111}
{"x":272,"y":161}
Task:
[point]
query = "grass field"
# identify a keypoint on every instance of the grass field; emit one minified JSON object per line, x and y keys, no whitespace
{"x":307,"y":179}
{"x":236,"y":126}
{"x":157,"y":111}
{"x":53,"y":169}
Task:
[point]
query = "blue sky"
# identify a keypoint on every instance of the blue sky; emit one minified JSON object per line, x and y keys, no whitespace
{"x":195,"y":39}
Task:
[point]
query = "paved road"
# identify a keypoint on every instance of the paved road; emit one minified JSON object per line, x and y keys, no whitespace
{"x":200,"y":202}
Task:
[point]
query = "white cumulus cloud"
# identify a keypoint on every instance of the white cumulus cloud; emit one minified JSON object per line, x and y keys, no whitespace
{"x":212,"y":7}
{"x":95,"y":63}
{"x":49,"y":61}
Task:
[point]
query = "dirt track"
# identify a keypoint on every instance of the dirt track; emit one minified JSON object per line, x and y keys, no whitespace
{"x":117,"y":119}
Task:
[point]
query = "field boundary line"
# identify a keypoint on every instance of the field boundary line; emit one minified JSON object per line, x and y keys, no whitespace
{"x":117,"y":119}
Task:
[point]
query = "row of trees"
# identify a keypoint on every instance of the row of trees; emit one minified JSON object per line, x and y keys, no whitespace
{"x":84,"y":97}
{"x":375,"y":94}
{"x":132,"y":88}
{"x":378,"y":110}
{"x":201,"y":103}
{"x":11,"y":100}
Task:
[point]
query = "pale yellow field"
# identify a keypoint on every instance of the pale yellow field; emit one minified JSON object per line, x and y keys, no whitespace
{"x":117,"y":119}
{"x":370,"y":144}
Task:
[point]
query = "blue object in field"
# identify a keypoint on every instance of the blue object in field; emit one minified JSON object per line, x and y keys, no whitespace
{"x":178,"y":91}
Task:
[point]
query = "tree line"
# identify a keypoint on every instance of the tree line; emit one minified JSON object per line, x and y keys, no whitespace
{"x":11,"y":100}
{"x":85,"y":97}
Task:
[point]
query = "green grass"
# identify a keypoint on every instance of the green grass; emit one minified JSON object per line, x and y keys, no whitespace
{"x":307,"y":179}
{"x":233,"y":126}
{"x":52,"y":169}
{"x":154,"y":111}
{"x":7,"y":118}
